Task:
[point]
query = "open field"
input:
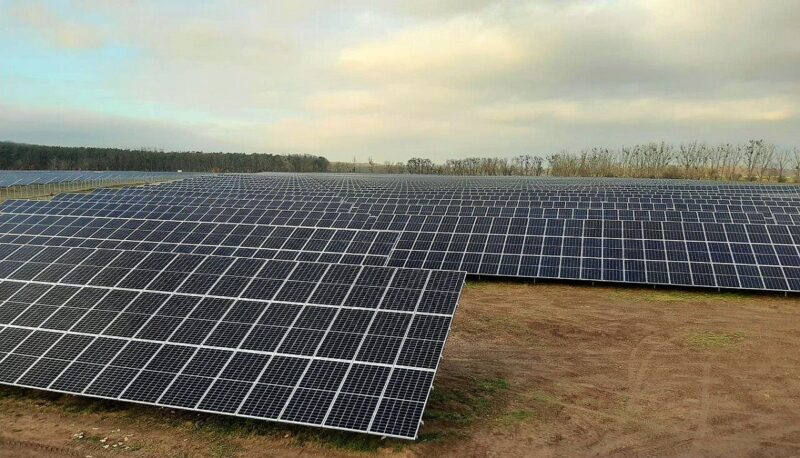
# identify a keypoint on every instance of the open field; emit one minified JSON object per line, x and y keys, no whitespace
{"x":530,"y":369}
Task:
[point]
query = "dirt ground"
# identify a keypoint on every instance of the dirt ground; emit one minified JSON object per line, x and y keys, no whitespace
{"x":529,"y":370}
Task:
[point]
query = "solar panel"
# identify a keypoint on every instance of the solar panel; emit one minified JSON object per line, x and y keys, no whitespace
{"x":326,"y":300}
{"x":741,"y":256}
{"x":346,"y":347}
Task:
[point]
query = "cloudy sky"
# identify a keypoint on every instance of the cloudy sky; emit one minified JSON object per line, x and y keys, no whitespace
{"x":396,"y":79}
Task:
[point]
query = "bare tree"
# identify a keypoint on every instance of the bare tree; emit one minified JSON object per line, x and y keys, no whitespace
{"x":716,"y":157}
{"x":704,"y":156}
{"x":765,"y":159}
{"x":796,"y":163}
{"x":537,"y":165}
{"x":781,"y":160}
{"x":688,"y":155}
{"x":752,"y":154}
{"x":733,"y":159}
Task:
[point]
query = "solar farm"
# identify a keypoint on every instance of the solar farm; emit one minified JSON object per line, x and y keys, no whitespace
{"x":44,"y":183}
{"x":328,"y":300}
{"x":12,"y":178}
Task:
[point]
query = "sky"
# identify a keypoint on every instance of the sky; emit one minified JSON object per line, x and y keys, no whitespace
{"x":392,"y":80}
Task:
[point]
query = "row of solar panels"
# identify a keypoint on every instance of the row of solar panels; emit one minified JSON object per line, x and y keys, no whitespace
{"x":483,"y":200}
{"x":324,"y":216}
{"x":411,"y":184}
{"x":10,"y":178}
{"x":420,"y":206}
{"x":380,"y":205}
{"x":754,"y":259}
{"x":260,"y":235}
{"x":719,"y":265}
{"x":373,"y":244}
{"x":272,"y":185}
{"x":677,"y":222}
{"x":549,"y":256}
{"x":432,"y":182}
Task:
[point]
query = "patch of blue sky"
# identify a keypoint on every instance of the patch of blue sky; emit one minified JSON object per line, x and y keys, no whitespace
{"x":37,"y":76}
{"x":26,"y":59}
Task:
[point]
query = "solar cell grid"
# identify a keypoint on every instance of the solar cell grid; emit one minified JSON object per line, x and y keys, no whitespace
{"x":147,"y":341}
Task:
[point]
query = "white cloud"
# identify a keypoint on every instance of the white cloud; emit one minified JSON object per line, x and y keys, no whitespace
{"x":56,"y":30}
{"x":344,"y":102}
{"x":85,"y":128}
{"x":459,"y":50}
{"x":647,"y":110}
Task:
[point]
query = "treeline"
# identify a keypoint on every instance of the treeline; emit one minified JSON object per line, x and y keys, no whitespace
{"x":20,"y":156}
{"x":755,"y":160}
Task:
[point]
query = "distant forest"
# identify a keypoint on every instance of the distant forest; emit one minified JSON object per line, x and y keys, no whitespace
{"x":21,"y":156}
{"x":755,"y":160}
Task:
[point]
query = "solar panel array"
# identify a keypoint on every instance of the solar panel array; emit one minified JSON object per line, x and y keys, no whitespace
{"x":346,"y":347}
{"x":326,"y":300}
{"x":10,"y":178}
{"x":686,"y":233}
{"x":281,"y":322}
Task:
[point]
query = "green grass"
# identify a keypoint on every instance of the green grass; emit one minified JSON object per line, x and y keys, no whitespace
{"x":484,"y":284}
{"x":544,"y":397}
{"x":74,"y":404}
{"x":679,"y":295}
{"x":435,"y":437}
{"x":224,"y":448}
{"x":707,"y":340}
{"x":470,"y":400}
{"x":341,"y":440}
{"x":519,"y":416}
{"x":493,"y":385}
{"x":538,"y":405}
{"x":629,"y":292}
{"x":226,"y":427}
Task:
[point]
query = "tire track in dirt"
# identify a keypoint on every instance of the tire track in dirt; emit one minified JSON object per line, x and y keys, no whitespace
{"x":703,"y":427}
{"x":637,"y":373}
{"x":638,"y":369}
{"x":654,"y":449}
{"x":20,"y":448}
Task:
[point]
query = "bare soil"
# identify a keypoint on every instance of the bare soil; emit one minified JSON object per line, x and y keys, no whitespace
{"x":529,"y":370}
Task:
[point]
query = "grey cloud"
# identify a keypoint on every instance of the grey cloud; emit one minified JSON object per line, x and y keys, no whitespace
{"x":72,"y":128}
{"x":622,"y":49}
